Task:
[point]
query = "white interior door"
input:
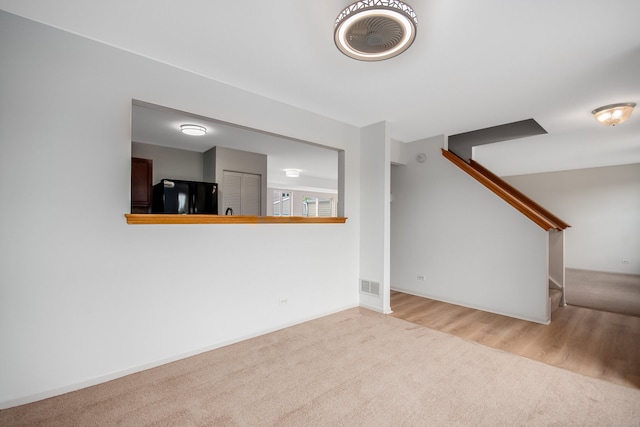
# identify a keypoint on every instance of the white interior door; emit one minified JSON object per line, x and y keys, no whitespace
{"x":241,"y":192}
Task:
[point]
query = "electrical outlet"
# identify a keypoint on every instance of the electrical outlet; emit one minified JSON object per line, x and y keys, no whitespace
{"x":420,"y":277}
{"x":283,"y":301}
{"x":625,"y":261}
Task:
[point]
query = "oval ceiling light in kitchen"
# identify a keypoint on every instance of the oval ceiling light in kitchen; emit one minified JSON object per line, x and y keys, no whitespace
{"x":193,"y":130}
{"x":374,"y":30}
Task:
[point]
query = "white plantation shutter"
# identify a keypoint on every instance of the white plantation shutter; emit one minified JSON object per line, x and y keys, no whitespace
{"x":283,"y":203}
{"x":319,"y":207}
{"x":311,"y":207}
{"x":285,"y":198}
{"x":277,"y":203}
{"x":325,"y":207}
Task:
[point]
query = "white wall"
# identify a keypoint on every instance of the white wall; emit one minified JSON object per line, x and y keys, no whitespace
{"x":398,"y":152}
{"x":602,"y":205}
{"x":472,"y":248}
{"x":84,"y":297}
{"x":375,"y":175}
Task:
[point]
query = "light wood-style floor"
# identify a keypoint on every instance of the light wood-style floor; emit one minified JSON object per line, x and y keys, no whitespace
{"x":591,"y":342}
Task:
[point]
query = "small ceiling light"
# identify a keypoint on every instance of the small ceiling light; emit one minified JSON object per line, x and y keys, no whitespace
{"x":193,"y":130}
{"x":292,"y":173}
{"x":614,"y":114}
{"x":373,"y":30}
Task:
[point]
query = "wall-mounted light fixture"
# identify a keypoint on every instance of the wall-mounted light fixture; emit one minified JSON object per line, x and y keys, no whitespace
{"x":614,"y":114}
{"x":292,"y":173}
{"x":193,"y":130}
{"x":373,"y":30}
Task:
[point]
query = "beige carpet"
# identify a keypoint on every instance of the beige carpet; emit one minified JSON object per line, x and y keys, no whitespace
{"x":614,"y":292}
{"x":354,"y":368}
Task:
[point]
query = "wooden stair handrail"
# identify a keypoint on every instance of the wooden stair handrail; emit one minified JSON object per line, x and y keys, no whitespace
{"x":506,"y":192}
{"x":508,"y":187}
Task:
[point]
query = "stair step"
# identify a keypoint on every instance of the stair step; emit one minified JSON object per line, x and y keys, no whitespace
{"x":555,"y":295}
{"x":554,"y":284}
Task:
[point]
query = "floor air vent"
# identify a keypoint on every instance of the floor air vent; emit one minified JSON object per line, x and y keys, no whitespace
{"x":369,"y":287}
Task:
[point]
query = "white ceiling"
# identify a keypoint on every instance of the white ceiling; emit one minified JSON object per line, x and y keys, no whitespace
{"x":474,"y":64}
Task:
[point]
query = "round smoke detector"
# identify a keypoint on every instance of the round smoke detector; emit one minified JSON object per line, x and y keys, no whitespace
{"x":373,"y":30}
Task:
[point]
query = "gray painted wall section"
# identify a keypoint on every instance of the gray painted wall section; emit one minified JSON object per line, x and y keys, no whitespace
{"x":462,"y":144}
{"x":170,"y":163}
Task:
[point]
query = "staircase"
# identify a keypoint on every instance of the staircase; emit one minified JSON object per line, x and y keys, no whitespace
{"x":556,"y":295}
{"x":509,"y":194}
{"x":550,"y":223}
{"x":555,"y":299}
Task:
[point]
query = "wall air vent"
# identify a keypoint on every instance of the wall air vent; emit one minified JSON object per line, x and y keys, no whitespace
{"x":369,"y":287}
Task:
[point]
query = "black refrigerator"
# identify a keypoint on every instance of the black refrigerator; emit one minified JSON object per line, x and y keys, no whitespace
{"x":174,"y":196}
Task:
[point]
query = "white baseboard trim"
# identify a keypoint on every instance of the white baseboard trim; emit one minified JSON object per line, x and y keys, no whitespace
{"x":30,"y":398}
{"x":376,"y":309}
{"x":528,"y":319}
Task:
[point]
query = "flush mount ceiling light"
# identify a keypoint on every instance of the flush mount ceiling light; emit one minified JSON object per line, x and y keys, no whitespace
{"x":292,"y":173}
{"x":193,"y":130}
{"x":373,"y":30}
{"x":614,"y":114}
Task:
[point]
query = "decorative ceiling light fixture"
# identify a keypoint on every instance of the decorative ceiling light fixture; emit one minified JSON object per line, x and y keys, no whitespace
{"x":373,"y":30}
{"x":292,"y":173}
{"x":193,"y":130}
{"x":614,"y":114}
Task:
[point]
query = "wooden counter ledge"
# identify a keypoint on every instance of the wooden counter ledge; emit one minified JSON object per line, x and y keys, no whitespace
{"x":228,"y":219}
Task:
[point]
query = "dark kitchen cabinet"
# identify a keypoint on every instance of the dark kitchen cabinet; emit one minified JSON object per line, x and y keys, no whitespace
{"x":141,"y":185}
